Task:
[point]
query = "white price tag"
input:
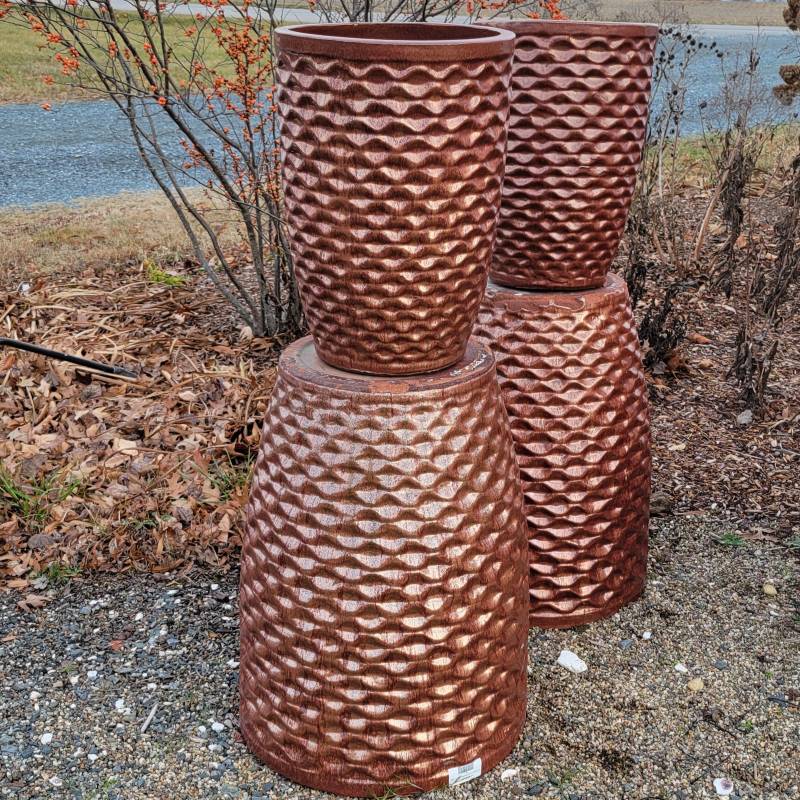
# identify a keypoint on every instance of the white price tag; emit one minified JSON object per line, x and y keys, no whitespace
{"x":464,"y":773}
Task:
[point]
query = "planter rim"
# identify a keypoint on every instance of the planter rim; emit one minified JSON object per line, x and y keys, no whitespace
{"x":396,"y":41}
{"x":635,"y":29}
{"x":575,"y":299}
{"x":299,"y":362}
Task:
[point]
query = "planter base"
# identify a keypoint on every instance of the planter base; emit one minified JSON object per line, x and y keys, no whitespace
{"x":384,"y":582}
{"x":572,"y":381}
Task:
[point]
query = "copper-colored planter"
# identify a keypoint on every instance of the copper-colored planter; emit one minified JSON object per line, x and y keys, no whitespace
{"x":383,"y":585}
{"x":579,"y":99}
{"x":393,"y":140}
{"x":571,"y":377}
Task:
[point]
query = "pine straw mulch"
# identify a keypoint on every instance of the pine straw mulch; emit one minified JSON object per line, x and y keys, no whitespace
{"x":101,"y":473}
{"x":113,"y":474}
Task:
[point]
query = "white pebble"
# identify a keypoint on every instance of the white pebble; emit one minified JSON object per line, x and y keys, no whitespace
{"x":139,"y":617}
{"x":570,"y":661}
{"x":723,"y":787}
{"x":35,"y":696}
{"x":91,"y":674}
{"x":119,"y":704}
{"x":46,"y":738}
{"x":152,"y":686}
{"x":647,"y":635}
{"x":56,"y":781}
{"x":682,"y":668}
{"x":233,"y":663}
{"x":214,"y":587}
{"x":508,"y":774}
{"x":217,"y":727}
{"x":93,"y":756}
{"x":73,"y":679}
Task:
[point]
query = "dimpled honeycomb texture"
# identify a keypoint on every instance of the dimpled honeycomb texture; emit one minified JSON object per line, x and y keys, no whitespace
{"x":383,"y":585}
{"x":570,"y":372}
{"x":577,"y":124}
{"x":392,"y":174}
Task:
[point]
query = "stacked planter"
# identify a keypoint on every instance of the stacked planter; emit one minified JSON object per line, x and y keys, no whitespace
{"x":384,"y":582}
{"x":560,"y":326}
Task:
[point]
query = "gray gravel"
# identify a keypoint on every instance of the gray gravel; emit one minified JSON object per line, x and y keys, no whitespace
{"x":81,"y":677}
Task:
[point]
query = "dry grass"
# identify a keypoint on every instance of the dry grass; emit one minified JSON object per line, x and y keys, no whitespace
{"x":23,"y":65}
{"x":24,"y":61}
{"x":124,"y":229}
{"x":708,"y":12}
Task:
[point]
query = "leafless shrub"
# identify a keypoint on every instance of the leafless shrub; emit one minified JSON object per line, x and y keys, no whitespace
{"x":662,"y":329}
{"x":656,"y":222}
{"x":787,"y":267}
{"x":748,"y":125}
{"x":789,"y":90}
{"x":658,"y":240}
{"x":199,"y":108}
{"x":428,"y":10}
{"x":769,"y":287}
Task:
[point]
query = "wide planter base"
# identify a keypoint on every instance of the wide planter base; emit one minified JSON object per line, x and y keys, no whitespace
{"x":384,"y":576}
{"x":571,"y":377}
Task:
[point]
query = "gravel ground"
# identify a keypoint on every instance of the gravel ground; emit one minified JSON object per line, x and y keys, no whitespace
{"x":109,"y":657}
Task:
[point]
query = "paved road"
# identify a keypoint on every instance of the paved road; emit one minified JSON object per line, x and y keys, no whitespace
{"x":84,"y":149}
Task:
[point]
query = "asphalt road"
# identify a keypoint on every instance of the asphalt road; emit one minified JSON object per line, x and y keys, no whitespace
{"x":84,"y":149}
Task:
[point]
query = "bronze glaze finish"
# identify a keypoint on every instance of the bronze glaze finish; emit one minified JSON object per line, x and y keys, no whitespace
{"x":572,"y":381}
{"x":393,"y":140}
{"x":384,"y":581}
{"x":579,"y":99}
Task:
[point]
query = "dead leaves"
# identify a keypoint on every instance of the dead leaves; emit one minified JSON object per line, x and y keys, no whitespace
{"x":148,"y":474}
{"x":31,"y":601}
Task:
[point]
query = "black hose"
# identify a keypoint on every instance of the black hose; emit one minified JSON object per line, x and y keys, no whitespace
{"x":81,"y":362}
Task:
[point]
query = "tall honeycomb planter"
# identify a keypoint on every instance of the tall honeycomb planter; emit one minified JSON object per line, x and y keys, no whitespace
{"x":393,"y":140}
{"x":571,"y":377}
{"x":579,"y":102}
{"x":384,"y":576}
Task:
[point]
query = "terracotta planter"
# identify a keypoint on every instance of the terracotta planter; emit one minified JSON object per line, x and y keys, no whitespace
{"x":571,"y":377}
{"x":579,"y":98}
{"x":384,"y":583}
{"x":393,"y":140}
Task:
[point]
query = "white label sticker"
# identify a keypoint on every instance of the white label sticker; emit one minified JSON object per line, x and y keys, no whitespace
{"x":464,"y":773}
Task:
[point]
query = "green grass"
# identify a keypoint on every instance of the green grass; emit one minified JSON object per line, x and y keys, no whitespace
{"x":25,"y":60}
{"x":731,"y":540}
{"x":404,"y":790}
{"x":31,"y":501}
{"x":143,"y":524}
{"x":155,"y":274}
{"x":58,"y":574}
{"x":228,"y":476}
{"x":695,"y":159}
{"x":563,"y":780}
